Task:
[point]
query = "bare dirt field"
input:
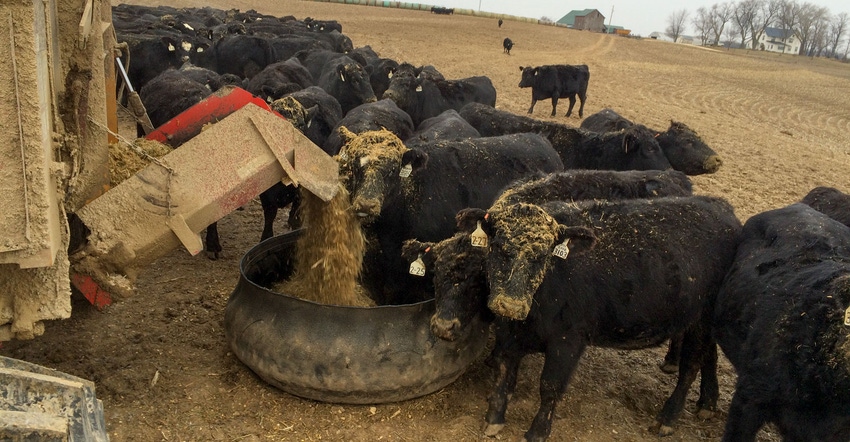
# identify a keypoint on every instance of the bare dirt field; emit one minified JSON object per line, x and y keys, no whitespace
{"x":781,"y":124}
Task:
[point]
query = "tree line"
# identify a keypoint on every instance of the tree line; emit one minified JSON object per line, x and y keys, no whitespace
{"x":819,"y":32}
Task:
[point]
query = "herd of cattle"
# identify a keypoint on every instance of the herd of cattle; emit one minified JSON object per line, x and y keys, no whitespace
{"x":562,"y":236}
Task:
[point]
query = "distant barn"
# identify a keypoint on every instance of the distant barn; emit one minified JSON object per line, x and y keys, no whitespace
{"x":585,"y":19}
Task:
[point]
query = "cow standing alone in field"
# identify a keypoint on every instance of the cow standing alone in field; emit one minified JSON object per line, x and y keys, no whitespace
{"x":507,"y":44}
{"x":556,"y":81}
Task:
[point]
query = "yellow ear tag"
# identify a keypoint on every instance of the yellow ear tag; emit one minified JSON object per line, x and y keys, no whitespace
{"x":343,"y":156}
{"x":417,"y":268}
{"x":562,"y":249}
{"x":847,"y":317}
{"x":478,"y":237}
{"x":405,"y":171}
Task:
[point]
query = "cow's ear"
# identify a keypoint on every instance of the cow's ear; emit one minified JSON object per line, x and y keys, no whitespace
{"x":412,"y":250}
{"x":340,"y":70}
{"x":467,"y":219}
{"x":416,"y":158}
{"x":170,"y":43}
{"x":578,"y":239}
{"x":311,"y":113}
{"x":521,"y":68}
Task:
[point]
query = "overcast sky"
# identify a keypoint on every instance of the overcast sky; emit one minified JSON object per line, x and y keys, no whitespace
{"x":641,"y":17}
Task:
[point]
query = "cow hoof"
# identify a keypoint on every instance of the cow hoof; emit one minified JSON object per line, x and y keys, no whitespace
{"x":661,"y":430}
{"x":669,"y":368}
{"x":491,"y":430}
{"x":212,"y":255}
{"x":705,"y":414}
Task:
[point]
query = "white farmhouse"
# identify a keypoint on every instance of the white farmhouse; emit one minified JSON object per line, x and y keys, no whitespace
{"x":779,"y":40}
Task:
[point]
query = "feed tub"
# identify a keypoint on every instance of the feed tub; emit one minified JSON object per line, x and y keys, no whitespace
{"x":339,"y":354}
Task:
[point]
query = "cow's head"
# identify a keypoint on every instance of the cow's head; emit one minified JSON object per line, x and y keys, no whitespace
{"x":641,"y":148}
{"x":459,"y":275}
{"x":523,"y":238}
{"x":291,"y":109}
{"x":528,"y":76}
{"x":686,"y":151}
{"x":404,"y":85}
{"x":372,"y":165}
{"x":356,"y":80}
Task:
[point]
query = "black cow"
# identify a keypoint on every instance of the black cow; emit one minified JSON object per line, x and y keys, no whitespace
{"x":348,"y":82}
{"x":669,"y":254}
{"x":507,"y":44}
{"x":449,"y":125}
{"x":781,"y":320}
{"x":170,"y":93}
{"x":459,"y":268}
{"x":556,"y":81}
{"x":150,"y":55}
{"x":442,"y":10}
{"x":830,"y":201}
{"x":328,"y":116}
{"x":685,"y":150}
{"x":634,"y":148}
{"x":382,"y":114}
{"x":422,"y":96}
{"x":242,"y":55}
{"x":441,"y":178}
{"x":279,"y":79}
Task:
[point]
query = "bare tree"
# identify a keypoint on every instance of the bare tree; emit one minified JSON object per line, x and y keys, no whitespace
{"x":730,"y":36}
{"x":743,"y":14}
{"x":811,"y":27}
{"x":702,"y":24}
{"x":676,"y":24}
{"x":720,"y":15}
{"x":837,"y":30}
{"x":766,"y":13}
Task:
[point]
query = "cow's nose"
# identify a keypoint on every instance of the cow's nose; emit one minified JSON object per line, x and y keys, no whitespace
{"x":713,"y":163}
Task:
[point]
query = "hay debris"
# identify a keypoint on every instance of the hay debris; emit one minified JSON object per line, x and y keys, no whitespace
{"x":124,"y":161}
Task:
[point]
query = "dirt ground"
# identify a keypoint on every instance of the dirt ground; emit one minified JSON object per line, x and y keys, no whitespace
{"x":159,"y":359}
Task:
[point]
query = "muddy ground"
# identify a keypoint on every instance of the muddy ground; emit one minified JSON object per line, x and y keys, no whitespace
{"x":780,"y":123}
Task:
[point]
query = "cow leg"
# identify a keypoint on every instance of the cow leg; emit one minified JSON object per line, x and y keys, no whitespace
{"x":694,"y":348}
{"x":581,"y":98}
{"x":674,"y":353}
{"x":533,"y":102}
{"x":558,"y":367}
{"x":745,"y":418}
{"x":269,"y":215}
{"x":506,"y":357}
{"x":709,"y":389}
{"x":572,"y":103}
{"x":213,"y":246}
{"x":554,"y":104}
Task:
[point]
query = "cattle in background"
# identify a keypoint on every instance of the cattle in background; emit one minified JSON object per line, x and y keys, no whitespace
{"x":170,"y":93}
{"x":442,"y":10}
{"x":207,"y":77}
{"x":685,"y":150}
{"x":449,"y":125}
{"x":423,"y":97}
{"x":150,"y":55}
{"x":286,"y":46}
{"x":556,"y":81}
{"x":402,"y":193}
{"x":507,"y":45}
{"x":242,"y":55}
{"x":631,"y":149}
{"x":279,"y":79}
{"x":326,"y":118}
{"x":830,"y":201}
{"x":560,"y":304}
{"x":346,"y":81}
{"x":781,"y":320}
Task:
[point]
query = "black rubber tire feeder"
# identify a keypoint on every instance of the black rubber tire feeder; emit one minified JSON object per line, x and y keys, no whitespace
{"x":339,"y":354}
